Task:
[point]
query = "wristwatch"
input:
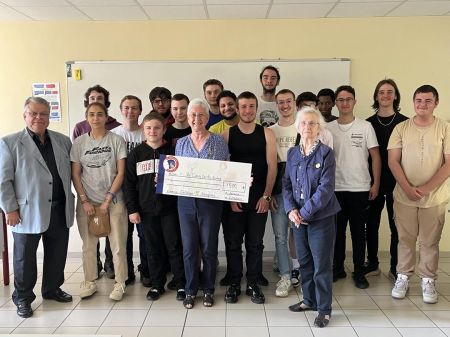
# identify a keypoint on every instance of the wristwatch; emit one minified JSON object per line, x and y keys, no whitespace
{"x":267,"y":198}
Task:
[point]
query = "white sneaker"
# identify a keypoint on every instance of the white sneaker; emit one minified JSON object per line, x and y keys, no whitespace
{"x":117,"y":292}
{"x":401,"y":287}
{"x":88,"y":288}
{"x":283,"y":287}
{"x":429,"y":293}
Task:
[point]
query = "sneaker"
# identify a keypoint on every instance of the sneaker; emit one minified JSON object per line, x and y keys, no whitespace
{"x":172,"y":284}
{"x":338,"y":274}
{"x":360,"y":281}
{"x":254,"y":291}
{"x":88,"y":288}
{"x":117,"y":292}
{"x":155,"y":293}
{"x":130,"y":280}
{"x":181,"y":294}
{"x":401,"y":287}
{"x":232,"y":293}
{"x":109,"y":270}
{"x":295,"y":277}
{"x":283,"y":287}
{"x":371,"y":270}
{"x":429,"y":293}
{"x":145,"y":280}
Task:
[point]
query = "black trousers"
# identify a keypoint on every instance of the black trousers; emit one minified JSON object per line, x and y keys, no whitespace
{"x":108,"y":255}
{"x":354,"y":211}
{"x":372,"y":227}
{"x":143,"y":264}
{"x":162,"y":233}
{"x":55,"y":241}
{"x":252,"y":226}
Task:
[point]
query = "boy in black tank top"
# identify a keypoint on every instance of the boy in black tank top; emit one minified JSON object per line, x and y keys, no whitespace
{"x":249,"y":143}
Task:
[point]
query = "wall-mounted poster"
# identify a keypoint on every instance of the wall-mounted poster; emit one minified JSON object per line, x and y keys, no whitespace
{"x":50,"y":91}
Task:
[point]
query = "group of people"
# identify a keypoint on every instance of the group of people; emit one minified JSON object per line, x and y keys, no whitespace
{"x":312,"y":171}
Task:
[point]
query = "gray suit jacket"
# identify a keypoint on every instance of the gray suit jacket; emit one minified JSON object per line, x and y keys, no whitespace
{"x":26,"y":181}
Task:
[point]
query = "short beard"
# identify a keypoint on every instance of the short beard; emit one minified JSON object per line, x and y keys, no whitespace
{"x":229,"y":118}
{"x":269,"y":91}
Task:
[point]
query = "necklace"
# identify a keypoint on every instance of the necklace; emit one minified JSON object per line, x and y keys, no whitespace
{"x":379,"y":120}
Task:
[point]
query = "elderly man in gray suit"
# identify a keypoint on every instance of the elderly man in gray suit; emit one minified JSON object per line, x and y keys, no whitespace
{"x":36,"y":197}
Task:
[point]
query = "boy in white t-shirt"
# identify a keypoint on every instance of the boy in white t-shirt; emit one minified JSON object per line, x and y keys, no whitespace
{"x":354,"y":140}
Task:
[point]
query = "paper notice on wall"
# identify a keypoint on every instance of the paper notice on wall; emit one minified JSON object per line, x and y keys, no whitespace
{"x":50,"y":91}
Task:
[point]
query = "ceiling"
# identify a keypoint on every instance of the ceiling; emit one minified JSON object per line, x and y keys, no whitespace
{"x":144,"y":10}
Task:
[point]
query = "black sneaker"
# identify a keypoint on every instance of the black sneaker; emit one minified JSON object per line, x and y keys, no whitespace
{"x":262,"y":281}
{"x":254,"y":291}
{"x":371,"y":269}
{"x":155,"y":293}
{"x":232,"y":294}
{"x":99,"y":269}
{"x":295,"y":278}
{"x":130,"y":280}
{"x":181,"y":294}
{"x":360,"y":281}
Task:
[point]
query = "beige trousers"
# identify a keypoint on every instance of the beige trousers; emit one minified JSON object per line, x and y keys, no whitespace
{"x":117,"y":239}
{"x":418,"y":224}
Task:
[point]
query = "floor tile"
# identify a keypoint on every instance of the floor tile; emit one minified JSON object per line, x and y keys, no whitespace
{"x":421,"y":332}
{"x":86,"y":318}
{"x":276,"y":331}
{"x":379,"y":289}
{"x":368,"y":318}
{"x":191,"y":331}
{"x":377,"y":332}
{"x":6,"y":330}
{"x":282,"y":303}
{"x":286,"y":318}
{"x":246,"y":318}
{"x":175,"y":317}
{"x":96,"y":302}
{"x":125,"y":318}
{"x":159,"y":331}
{"x":123,"y":331}
{"x":440,"y":318}
{"x":244,"y":303}
{"x":53,"y":305}
{"x":334,"y":332}
{"x":76,"y":330}
{"x":205,"y":318}
{"x":387,"y":302}
{"x":411,"y":319}
{"x":133,"y":302}
{"x":33,"y":331}
{"x":356,"y":302}
{"x":46,"y":319}
{"x":232,"y":331}
{"x":442,"y":304}
{"x":9,"y":319}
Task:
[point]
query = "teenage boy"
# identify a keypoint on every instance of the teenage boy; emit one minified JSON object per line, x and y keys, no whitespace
{"x":419,"y":158}
{"x":306,"y":98}
{"x":156,"y":212}
{"x":267,"y":108}
{"x":386,"y":103}
{"x":325,"y":104}
{"x":354,"y":140}
{"x":180,"y":126}
{"x":160,"y":100}
{"x":131,"y":132}
{"x":211,"y":89}
{"x":227,"y":106}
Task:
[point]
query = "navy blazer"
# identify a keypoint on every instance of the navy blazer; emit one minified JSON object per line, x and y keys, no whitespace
{"x":26,"y":181}
{"x":308,"y":183}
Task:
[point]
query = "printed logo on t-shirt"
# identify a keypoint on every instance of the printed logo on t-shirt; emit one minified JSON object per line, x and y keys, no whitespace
{"x":357,"y":140}
{"x":147,"y":167}
{"x":268,"y":118}
{"x":98,"y":156}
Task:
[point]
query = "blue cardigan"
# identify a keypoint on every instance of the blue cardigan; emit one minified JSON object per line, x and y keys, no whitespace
{"x":308,"y":183}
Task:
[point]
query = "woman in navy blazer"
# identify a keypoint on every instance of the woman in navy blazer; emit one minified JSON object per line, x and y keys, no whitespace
{"x":308,"y":193}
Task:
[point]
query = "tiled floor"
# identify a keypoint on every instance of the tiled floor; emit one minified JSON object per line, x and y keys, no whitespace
{"x":364,"y":313}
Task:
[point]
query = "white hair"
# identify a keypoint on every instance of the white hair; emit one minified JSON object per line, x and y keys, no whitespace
{"x":309,"y":110}
{"x":198,"y":102}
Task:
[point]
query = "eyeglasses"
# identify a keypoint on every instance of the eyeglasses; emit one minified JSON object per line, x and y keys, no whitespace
{"x":311,"y":124}
{"x":161,"y":101}
{"x":38,"y":114}
{"x":345,"y":100}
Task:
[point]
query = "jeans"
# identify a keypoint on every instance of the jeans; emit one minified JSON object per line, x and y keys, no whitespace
{"x":314,"y":243}
{"x":280,"y":225}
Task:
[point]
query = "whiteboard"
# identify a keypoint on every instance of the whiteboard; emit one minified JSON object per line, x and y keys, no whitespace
{"x":137,"y":78}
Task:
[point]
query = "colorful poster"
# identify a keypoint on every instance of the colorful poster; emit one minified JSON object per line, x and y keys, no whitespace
{"x":50,"y":91}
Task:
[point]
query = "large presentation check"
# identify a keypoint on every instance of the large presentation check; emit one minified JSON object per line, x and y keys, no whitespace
{"x":204,"y":178}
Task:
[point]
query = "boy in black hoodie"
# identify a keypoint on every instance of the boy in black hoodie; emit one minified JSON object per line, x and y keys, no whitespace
{"x":156,"y":212}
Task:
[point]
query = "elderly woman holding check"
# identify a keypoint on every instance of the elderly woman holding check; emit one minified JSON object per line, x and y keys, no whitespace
{"x":308,"y":194}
